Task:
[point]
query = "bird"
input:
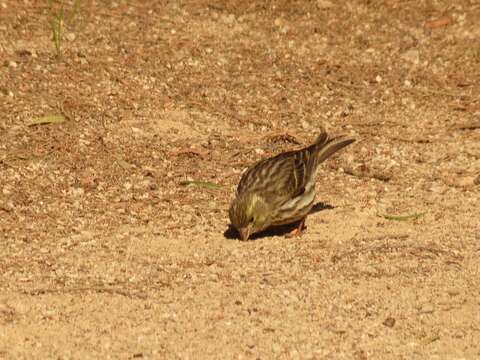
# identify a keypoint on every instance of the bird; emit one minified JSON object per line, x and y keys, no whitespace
{"x":280,"y":190}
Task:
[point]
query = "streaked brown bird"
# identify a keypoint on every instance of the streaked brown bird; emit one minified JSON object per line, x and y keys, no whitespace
{"x":281,"y":190}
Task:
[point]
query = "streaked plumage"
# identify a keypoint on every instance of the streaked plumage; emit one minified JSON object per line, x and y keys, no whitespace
{"x":281,"y":190}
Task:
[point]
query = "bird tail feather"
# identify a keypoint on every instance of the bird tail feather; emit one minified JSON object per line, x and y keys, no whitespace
{"x":327,"y":147}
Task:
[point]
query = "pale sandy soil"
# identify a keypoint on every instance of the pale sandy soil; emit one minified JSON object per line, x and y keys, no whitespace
{"x":106,"y":255}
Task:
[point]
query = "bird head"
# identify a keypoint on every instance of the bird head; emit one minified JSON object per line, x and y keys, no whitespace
{"x":249,"y":213}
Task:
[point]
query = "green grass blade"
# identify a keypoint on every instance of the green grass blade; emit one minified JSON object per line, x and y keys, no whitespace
{"x":204,"y":184}
{"x":45,"y":120}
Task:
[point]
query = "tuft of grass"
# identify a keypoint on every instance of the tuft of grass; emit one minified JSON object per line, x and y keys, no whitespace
{"x":58,"y":16}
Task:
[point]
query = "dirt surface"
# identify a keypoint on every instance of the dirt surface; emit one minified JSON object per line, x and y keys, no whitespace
{"x":106,"y":253}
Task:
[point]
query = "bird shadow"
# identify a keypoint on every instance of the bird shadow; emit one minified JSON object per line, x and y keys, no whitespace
{"x":232,"y":234}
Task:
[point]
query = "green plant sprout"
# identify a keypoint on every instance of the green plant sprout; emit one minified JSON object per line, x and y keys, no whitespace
{"x":58,"y":17}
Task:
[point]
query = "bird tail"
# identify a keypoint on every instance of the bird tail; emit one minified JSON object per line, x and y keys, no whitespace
{"x":326,"y":147}
{"x":321,"y":139}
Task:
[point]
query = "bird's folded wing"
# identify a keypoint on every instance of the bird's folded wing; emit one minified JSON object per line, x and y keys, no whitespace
{"x":283,"y":176}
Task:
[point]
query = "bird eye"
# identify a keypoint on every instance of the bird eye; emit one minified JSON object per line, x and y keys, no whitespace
{"x":251,"y":220}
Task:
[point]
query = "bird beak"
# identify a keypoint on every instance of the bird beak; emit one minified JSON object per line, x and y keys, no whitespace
{"x":245,"y":233}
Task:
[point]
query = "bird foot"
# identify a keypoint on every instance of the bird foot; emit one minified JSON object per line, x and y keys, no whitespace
{"x":298,"y":231}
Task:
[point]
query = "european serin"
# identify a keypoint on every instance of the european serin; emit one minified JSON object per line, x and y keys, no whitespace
{"x":281,"y":190}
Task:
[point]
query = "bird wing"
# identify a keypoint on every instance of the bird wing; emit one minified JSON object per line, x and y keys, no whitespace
{"x":284,"y":175}
{"x":288,"y":174}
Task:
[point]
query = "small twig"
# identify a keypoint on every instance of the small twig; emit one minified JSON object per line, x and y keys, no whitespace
{"x":430,"y":339}
{"x":189,"y":152}
{"x":412,"y":250}
{"x":99,"y":289}
{"x":282,"y":136}
{"x":437,"y":92}
{"x":345,"y":84}
{"x":422,"y":140}
{"x":202,"y":184}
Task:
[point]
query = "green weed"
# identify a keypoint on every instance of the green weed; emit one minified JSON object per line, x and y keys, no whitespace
{"x":58,"y":17}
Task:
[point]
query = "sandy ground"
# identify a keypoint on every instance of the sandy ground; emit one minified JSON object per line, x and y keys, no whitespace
{"x":106,"y":253}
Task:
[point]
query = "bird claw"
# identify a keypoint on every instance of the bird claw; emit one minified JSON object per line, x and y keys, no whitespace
{"x":298,"y":231}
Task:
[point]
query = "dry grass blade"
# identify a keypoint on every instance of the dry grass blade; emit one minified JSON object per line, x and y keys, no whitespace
{"x":124,"y":165}
{"x":469,"y":125}
{"x":46,"y":120}
{"x":430,"y":339}
{"x":403,"y":217}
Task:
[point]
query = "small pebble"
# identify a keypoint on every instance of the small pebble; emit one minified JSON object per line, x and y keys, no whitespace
{"x":70,"y":36}
{"x":389,"y":322}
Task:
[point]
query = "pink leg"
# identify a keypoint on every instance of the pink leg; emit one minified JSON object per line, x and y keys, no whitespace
{"x":298,"y":230}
